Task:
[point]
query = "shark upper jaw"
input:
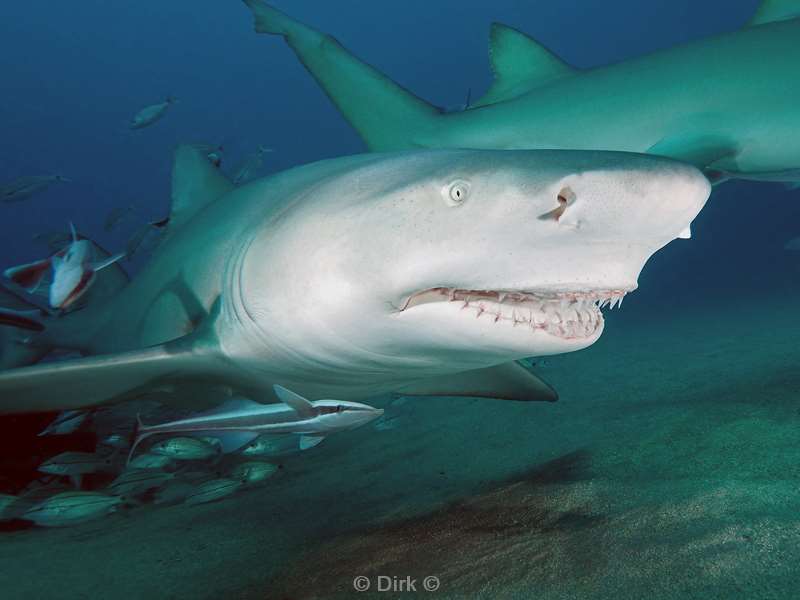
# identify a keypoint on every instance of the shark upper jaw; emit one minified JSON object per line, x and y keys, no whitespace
{"x":568,"y":314}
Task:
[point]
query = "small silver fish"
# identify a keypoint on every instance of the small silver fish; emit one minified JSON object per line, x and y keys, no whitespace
{"x":150,"y":114}
{"x":116,"y":440}
{"x":135,"y":482}
{"x":249,"y":168}
{"x":115,"y":216}
{"x":271,"y":445}
{"x":66,"y":422}
{"x":215,"y":489}
{"x":150,"y":461}
{"x":23,"y":188}
{"x":174,"y":492}
{"x":76,"y":463}
{"x":253,"y":471}
{"x":12,"y":507}
{"x":184,"y":448}
{"x":71,"y":508}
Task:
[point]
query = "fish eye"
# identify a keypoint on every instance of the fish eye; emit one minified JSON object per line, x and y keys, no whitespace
{"x":456,"y":192}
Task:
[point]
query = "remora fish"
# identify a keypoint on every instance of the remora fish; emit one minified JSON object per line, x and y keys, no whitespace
{"x":239,"y":421}
{"x":150,"y":114}
{"x":23,"y":188}
{"x":718,"y":103}
{"x":72,"y":508}
{"x":74,"y":271}
{"x":208,"y":316}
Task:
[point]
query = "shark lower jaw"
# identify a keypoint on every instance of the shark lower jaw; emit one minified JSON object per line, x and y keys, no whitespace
{"x":570,"y":314}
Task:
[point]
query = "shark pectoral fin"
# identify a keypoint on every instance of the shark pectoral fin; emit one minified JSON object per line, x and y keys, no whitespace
{"x":301,"y":406}
{"x":699,"y":150}
{"x":509,"y":381}
{"x":775,"y":10}
{"x":91,"y":381}
{"x":83,"y":382}
{"x":520,"y":64}
{"x":196,"y":183}
{"x":309,"y":441}
{"x":385,"y":115}
{"x":29,"y":276}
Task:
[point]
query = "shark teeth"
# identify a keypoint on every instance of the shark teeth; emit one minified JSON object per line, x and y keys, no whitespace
{"x":565,"y":314}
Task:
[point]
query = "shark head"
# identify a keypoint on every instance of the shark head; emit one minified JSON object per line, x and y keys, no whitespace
{"x":440,"y":261}
{"x":340,"y":415}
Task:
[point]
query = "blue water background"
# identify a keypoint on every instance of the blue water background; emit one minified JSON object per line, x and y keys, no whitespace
{"x":75,"y":72}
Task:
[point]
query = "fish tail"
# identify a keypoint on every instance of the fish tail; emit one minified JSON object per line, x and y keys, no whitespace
{"x":136,"y":437}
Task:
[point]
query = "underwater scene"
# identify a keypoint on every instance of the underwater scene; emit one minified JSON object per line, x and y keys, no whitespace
{"x":452,"y":299}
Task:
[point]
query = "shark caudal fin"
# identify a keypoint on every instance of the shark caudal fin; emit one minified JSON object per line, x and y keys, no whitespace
{"x":771,"y":11}
{"x":386,"y":115}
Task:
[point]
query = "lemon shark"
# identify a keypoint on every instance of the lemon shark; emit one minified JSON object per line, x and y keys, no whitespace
{"x":727,"y":104}
{"x":423,"y":273}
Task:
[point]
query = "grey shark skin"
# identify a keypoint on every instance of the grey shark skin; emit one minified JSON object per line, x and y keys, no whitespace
{"x":422,"y":273}
{"x":727,"y":104}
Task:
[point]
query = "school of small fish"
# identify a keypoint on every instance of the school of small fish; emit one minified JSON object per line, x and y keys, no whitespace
{"x":174,"y":464}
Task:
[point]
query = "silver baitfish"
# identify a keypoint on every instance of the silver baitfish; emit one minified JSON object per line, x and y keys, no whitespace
{"x":138,"y":481}
{"x":253,"y":471}
{"x":23,"y":188}
{"x":150,"y":114}
{"x":184,"y":448}
{"x":215,"y":489}
{"x":71,"y":508}
{"x":66,"y":422}
{"x":150,"y":461}
{"x":271,"y":445}
{"x":76,"y":463}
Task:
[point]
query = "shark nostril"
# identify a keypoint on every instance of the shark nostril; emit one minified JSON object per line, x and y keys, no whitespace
{"x":565,"y":197}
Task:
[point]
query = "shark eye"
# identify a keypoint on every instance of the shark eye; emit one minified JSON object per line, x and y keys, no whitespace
{"x":455,"y":193}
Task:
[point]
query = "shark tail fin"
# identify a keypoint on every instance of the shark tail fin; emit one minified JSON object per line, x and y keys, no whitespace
{"x":386,"y":115}
{"x":770,"y":11}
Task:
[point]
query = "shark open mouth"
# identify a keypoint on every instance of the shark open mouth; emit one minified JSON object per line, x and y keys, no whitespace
{"x":564,"y":314}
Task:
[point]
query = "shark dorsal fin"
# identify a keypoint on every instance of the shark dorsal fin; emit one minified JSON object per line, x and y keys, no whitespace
{"x":300,"y":405}
{"x":775,"y":10}
{"x":520,"y":64}
{"x":196,"y":183}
